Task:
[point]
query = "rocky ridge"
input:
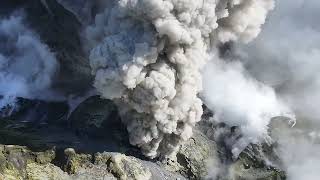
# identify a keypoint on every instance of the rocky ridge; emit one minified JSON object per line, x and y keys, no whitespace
{"x":83,"y":151}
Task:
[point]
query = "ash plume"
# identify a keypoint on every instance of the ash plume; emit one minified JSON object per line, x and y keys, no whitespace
{"x":148,"y":55}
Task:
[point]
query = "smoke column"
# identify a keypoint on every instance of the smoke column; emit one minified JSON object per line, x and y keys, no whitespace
{"x":148,"y":56}
{"x":26,"y":65}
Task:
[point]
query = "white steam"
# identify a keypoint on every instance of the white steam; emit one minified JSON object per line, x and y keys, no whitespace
{"x":148,"y":54}
{"x":299,"y":149}
{"x":240,"y":100}
{"x":287,"y":55}
{"x":26,"y":65}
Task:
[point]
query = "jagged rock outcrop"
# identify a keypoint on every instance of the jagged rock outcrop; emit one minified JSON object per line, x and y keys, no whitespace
{"x":36,"y":171}
{"x":193,"y":156}
{"x":123,"y":167}
{"x":95,"y":116}
{"x":18,"y":162}
{"x":50,"y":155}
{"x":256,"y":161}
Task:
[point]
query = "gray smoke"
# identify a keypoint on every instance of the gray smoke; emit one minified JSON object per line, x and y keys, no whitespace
{"x":26,"y":65}
{"x":148,"y":56}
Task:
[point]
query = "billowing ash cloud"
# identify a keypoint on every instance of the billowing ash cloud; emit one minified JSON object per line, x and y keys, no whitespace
{"x":26,"y":64}
{"x":148,"y":54}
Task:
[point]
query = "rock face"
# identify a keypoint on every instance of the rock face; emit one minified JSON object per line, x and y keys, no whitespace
{"x":60,"y":30}
{"x":82,"y":9}
{"x":19,"y":162}
{"x":95,"y":127}
{"x":95,"y":116}
{"x":47,"y":171}
{"x":255,"y":162}
{"x":193,"y":156}
{"x":123,"y":167}
{"x":16,"y":160}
